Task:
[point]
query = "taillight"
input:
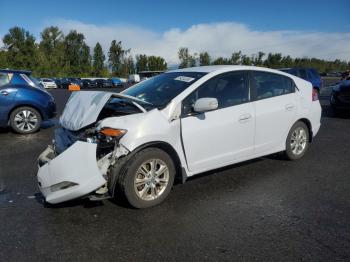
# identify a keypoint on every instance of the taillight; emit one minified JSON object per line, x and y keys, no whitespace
{"x":314,"y":94}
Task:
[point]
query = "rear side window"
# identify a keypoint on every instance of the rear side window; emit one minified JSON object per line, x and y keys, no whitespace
{"x":4,"y":79}
{"x":229,"y":89}
{"x":270,"y":85}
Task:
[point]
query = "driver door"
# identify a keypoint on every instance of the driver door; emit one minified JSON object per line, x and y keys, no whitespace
{"x":223,"y":136}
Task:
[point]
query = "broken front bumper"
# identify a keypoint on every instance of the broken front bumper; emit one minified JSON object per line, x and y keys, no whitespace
{"x":72,"y":174}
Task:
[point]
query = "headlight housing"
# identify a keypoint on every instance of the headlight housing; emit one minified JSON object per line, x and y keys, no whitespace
{"x":112,"y":132}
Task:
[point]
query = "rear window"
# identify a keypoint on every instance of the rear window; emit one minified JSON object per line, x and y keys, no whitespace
{"x":270,"y":85}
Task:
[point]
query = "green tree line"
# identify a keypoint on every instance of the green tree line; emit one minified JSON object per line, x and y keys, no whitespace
{"x":271,"y":60}
{"x":58,"y":55}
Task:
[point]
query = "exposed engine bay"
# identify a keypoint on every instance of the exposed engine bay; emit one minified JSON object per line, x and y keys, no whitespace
{"x":80,"y":130}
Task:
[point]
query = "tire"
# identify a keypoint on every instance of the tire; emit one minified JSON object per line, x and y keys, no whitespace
{"x":301,"y":141}
{"x":152,"y":192}
{"x":25,"y":120}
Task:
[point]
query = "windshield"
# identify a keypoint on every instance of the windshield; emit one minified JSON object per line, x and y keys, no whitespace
{"x":161,"y":89}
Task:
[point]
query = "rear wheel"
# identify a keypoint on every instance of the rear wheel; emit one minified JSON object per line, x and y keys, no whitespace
{"x":297,"y":141}
{"x":25,"y":120}
{"x":146,"y":179}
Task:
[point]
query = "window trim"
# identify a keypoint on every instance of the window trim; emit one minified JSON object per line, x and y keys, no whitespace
{"x":247,"y":84}
{"x":254,"y":90}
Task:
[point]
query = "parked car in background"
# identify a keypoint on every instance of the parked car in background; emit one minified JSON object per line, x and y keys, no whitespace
{"x":58,"y":82}
{"x":23,"y":104}
{"x":116,"y":82}
{"x":88,"y":83}
{"x":75,"y":81}
{"x":340,"y":97}
{"x":62,"y":83}
{"x":104,"y":83}
{"x":134,"y":78}
{"x":181,"y":123}
{"x":308,"y":74}
{"x":48,"y":83}
{"x":345,"y":75}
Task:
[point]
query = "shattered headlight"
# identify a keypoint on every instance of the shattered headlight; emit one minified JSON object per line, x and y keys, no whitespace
{"x":107,"y":139}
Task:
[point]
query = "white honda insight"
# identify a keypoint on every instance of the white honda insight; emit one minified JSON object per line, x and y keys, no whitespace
{"x":178,"y":124}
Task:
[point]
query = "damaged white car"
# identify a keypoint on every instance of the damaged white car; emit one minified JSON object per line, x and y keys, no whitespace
{"x":184,"y":122}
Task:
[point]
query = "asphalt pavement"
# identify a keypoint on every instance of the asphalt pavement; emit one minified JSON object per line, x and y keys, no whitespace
{"x":267,"y":209}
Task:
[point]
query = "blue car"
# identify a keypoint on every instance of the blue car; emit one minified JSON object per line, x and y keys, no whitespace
{"x":308,"y":74}
{"x":24,"y":104}
{"x":116,"y":82}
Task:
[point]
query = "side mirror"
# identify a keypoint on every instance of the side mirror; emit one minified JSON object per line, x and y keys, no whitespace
{"x":205,"y":104}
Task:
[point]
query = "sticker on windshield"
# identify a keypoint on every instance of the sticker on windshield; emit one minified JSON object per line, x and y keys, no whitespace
{"x":184,"y":79}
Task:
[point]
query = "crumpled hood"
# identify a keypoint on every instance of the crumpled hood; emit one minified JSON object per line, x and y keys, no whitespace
{"x":83,"y":108}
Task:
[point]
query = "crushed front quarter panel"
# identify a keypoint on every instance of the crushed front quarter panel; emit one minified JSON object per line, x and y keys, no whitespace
{"x":77,"y":164}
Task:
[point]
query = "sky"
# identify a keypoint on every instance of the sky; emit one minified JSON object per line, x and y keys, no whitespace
{"x":298,"y":28}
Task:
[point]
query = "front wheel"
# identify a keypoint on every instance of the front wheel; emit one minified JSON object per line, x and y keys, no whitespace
{"x":146,"y":179}
{"x":297,"y":141}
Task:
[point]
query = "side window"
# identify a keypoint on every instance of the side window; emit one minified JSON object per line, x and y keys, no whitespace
{"x":4,"y":79}
{"x":269,"y":85}
{"x":229,"y":89}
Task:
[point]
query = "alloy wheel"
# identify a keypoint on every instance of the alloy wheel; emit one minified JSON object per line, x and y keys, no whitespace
{"x":26,"y":120}
{"x":151,"y":179}
{"x":298,"y":141}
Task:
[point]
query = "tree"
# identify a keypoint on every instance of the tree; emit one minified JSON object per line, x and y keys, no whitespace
{"x":246,"y":60}
{"x":186,"y":59}
{"x":183,"y":57}
{"x":50,"y":52}
{"x":236,"y":58}
{"x":117,"y":58}
{"x":85,"y":61}
{"x":258,"y":59}
{"x":21,"y":50}
{"x":77,"y":58}
{"x":3,"y":60}
{"x":141,"y":63}
{"x":127,"y":66}
{"x":204,"y":59}
{"x":156,"y":63}
{"x":98,"y":60}
{"x":221,"y":61}
{"x":273,"y":60}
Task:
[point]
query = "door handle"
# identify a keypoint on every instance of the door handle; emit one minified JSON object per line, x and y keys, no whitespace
{"x":289,"y":107}
{"x":245,"y":117}
{"x":4,"y":93}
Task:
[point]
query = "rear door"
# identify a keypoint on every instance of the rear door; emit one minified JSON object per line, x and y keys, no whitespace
{"x":275,"y":107}
{"x":222,"y":136}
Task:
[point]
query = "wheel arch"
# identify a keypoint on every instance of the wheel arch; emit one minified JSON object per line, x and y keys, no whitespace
{"x":180,"y":175}
{"x":309,"y":126}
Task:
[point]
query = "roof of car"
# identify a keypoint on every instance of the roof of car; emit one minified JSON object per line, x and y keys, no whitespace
{"x":209,"y":69}
{"x":14,"y":71}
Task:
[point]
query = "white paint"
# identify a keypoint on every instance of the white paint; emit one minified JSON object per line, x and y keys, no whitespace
{"x":77,"y":164}
{"x":211,"y":140}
